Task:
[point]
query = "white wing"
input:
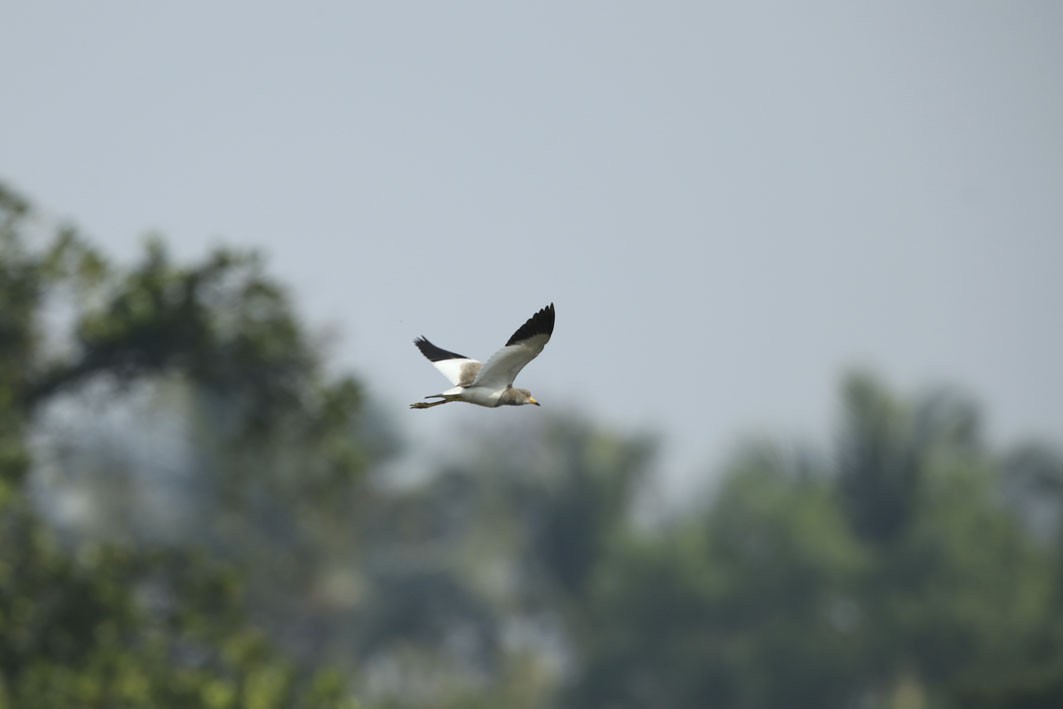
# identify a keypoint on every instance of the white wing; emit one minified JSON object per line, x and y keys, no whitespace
{"x":524,"y":346}
{"x":503,"y":366}
{"x":458,"y":369}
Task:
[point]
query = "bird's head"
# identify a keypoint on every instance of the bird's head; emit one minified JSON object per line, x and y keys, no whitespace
{"x":527,"y":398}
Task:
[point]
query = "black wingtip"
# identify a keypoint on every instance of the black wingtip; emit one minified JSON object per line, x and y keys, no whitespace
{"x":433,"y":353}
{"x":542,"y":323}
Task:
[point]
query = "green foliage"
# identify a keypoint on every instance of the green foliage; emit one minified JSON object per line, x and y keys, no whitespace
{"x":890,"y":575}
{"x":751,"y":606}
{"x":906,"y":565}
{"x":119,"y":628}
{"x":106,"y":624}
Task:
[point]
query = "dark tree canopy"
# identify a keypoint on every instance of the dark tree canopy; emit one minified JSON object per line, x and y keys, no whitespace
{"x":118,"y":624}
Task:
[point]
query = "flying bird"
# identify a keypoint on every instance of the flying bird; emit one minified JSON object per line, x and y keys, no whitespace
{"x":490,"y":384}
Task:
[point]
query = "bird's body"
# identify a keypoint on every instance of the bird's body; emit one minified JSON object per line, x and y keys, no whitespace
{"x":490,"y":384}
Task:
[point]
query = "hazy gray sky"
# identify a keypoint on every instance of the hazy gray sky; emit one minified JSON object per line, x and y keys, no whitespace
{"x":729,"y":204}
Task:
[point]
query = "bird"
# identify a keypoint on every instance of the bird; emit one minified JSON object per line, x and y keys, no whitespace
{"x":490,"y":384}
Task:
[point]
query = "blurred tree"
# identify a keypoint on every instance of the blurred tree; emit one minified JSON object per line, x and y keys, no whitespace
{"x":240,"y":542}
{"x":1033,"y":479}
{"x":570,"y":492}
{"x":1033,"y":484}
{"x":111,"y":624}
{"x":893,"y":576}
{"x":955,"y":589}
{"x":477,"y":578}
{"x":753,"y":606}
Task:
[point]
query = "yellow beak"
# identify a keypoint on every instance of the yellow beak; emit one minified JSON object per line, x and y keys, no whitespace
{"x":531,"y":400}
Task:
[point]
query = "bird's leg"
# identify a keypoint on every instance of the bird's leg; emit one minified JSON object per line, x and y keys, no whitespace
{"x":428,"y":405}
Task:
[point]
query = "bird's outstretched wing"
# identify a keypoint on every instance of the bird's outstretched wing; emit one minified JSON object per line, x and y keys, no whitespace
{"x":458,"y":369}
{"x":526,"y":343}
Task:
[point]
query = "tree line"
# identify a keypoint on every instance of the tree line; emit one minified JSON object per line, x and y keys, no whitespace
{"x":192,"y":513}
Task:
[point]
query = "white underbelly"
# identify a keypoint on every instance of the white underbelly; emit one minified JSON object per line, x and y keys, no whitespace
{"x":481,"y":396}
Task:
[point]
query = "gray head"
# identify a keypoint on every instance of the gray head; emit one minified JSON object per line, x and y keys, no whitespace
{"x":517,"y":397}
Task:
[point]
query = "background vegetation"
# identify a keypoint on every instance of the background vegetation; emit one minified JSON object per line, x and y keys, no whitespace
{"x":192,"y":514}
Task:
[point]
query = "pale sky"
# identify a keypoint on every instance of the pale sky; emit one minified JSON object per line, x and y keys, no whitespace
{"x":729,"y":204}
